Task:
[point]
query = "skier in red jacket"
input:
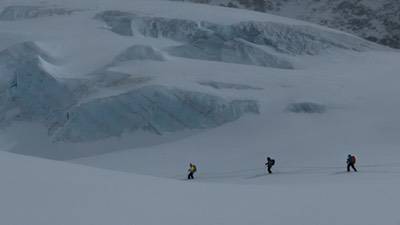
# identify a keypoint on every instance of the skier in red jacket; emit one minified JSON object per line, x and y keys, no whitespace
{"x":351,"y":162}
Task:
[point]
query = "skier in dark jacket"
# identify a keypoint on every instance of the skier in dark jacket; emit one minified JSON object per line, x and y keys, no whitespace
{"x":351,"y":162}
{"x":269,"y":164}
{"x":192,"y":169}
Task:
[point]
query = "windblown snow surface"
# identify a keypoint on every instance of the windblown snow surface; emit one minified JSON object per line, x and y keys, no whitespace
{"x":107,"y":102}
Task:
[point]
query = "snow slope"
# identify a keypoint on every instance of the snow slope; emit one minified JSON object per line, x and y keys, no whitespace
{"x":145,"y":87}
{"x":359,"y":116}
{"x":41,"y":192}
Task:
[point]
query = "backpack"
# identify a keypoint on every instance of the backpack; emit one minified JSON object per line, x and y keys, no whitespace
{"x":353,"y":159}
{"x":194,"y":169}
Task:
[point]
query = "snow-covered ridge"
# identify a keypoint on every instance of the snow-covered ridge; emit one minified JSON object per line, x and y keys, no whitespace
{"x":20,"y":12}
{"x":138,"y":52}
{"x":224,"y":85}
{"x":292,"y":39}
{"x":376,"y":21}
{"x":248,"y":42}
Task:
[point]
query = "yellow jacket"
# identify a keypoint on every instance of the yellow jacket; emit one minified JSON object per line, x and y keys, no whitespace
{"x":192,"y":169}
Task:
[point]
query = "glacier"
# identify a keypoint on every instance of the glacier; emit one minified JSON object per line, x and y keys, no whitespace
{"x":110,"y":101}
{"x":28,"y":87}
{"x":156,"y":109}
{"x":30,"y":93}
{"x":267,"y":44}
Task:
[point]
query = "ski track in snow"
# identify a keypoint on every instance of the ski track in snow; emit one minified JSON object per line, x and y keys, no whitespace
{"x":48,"y":192}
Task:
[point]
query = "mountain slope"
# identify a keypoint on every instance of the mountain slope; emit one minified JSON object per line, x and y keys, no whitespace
{"x":76,"y":70}
{"x":378,"y":21}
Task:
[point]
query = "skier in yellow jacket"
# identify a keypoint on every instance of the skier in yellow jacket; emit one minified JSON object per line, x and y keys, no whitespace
{"x":192,"y":169}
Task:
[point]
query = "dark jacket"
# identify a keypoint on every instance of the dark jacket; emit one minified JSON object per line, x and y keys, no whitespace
{"x":351,"y":159}
{"x":270,"y":162}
